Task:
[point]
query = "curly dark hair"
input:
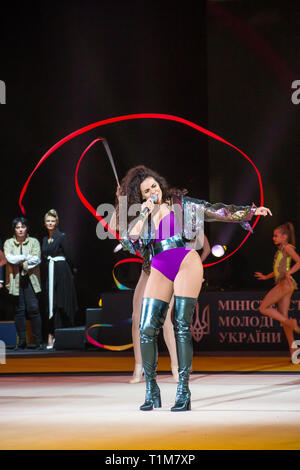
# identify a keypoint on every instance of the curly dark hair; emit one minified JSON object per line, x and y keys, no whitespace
{"x":130,"y":187}
{"x":21,"y":220}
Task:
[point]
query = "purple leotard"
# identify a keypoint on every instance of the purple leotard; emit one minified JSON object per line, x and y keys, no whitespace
{"x":168,"y":262}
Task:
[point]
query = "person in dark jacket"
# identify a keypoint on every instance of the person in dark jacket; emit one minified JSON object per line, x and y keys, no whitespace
{"x":60,"y":289}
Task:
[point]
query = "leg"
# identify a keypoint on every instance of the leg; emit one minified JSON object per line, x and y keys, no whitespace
{"x":187,"y":286}
{"x":33,"y":311}
{"x":50,"y":325}
{"x":20,"y":319}
{"x":168,"y":331}
{"x":283,"y":307}
{"x":51,"y":333}
{"x":155,"y":304}
{"x":136,"y":315}
{"x":169,"y":337}
{"x":188,"y":281}
{"x":59,"y":320}
{"x":281,"y":289}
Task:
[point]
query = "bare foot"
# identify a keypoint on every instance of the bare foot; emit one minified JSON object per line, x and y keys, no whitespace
{"x":175,"y":373}
{"x":50,"y":341}
{"x":137,"y":374}
{"x":292,"y":323}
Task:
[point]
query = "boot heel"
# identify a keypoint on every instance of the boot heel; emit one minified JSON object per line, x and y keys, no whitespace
{"x":157,"y":402}
{"x":150,"y":403}
{"x":182,"y":405}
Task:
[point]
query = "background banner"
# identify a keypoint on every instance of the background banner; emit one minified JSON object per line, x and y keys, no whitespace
{"x":231,"y":321}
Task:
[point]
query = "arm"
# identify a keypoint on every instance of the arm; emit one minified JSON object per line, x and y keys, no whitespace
{"x":113,"y":221}
{"x":264,"y":277}
{"x":31,"y":262}
{"x":290,"y":250}
{"x":220,"y":212}
{"x":13,"y":259}
{"x":132,"y":239}
{"x":132,"y":242}
{"x":231,"y":213}
{"x":146,"y":210}
{"x":127,"y":243}
{"x":206,"y":249}
{"x":34,"y":258}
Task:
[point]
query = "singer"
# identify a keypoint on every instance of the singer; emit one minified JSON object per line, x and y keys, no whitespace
{"x":167,"y":223}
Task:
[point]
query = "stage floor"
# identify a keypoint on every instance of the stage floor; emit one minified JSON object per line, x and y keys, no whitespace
{"x":87,"y":361}
{"x":100,"y":411}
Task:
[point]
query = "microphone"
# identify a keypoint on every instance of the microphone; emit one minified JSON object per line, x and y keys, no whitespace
{"x":154,"y":199}
{"x":146,"y":210}
{"x":118,"y":248}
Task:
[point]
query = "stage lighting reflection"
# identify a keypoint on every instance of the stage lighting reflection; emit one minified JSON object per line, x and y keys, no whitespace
{"x":218,"y":250}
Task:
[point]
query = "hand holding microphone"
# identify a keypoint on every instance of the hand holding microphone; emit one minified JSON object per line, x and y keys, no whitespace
{"x":148,"y":206}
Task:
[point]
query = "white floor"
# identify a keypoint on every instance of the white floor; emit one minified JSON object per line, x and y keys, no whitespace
{"x":251,"y":411}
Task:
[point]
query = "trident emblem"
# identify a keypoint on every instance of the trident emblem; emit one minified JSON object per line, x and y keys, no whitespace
{"x":200,"y":328}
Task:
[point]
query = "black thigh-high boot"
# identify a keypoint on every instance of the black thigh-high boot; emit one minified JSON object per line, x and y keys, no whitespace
{"x":153,"y":315}
{"x":183,"y":314}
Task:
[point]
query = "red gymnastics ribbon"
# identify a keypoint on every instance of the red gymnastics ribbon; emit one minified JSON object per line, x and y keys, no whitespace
{"x":85,"y":201}
{"x":89,"y":206}
{"x":98,"y":217}
{"x":127,"y":260}
{"x":121,"y":347}
{"x":143,"y":116}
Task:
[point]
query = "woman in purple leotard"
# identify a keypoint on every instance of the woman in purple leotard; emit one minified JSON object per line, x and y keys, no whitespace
{"x":167,"y":223}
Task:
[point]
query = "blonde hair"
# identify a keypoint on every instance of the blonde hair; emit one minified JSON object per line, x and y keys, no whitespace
{"x":288,"y":229}
{"x":51,"y":213}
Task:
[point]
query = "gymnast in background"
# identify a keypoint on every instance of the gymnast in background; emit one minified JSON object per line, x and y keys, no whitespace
{"x":281,"y":293}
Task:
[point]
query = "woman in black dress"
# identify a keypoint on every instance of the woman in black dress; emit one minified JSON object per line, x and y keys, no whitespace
{"x":60,"y":290}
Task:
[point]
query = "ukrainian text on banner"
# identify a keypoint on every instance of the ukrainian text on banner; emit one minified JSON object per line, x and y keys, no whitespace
{"x":231,"y":321}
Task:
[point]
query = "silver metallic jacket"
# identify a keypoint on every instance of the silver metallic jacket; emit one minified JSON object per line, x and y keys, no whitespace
{"x":191,"y":214}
